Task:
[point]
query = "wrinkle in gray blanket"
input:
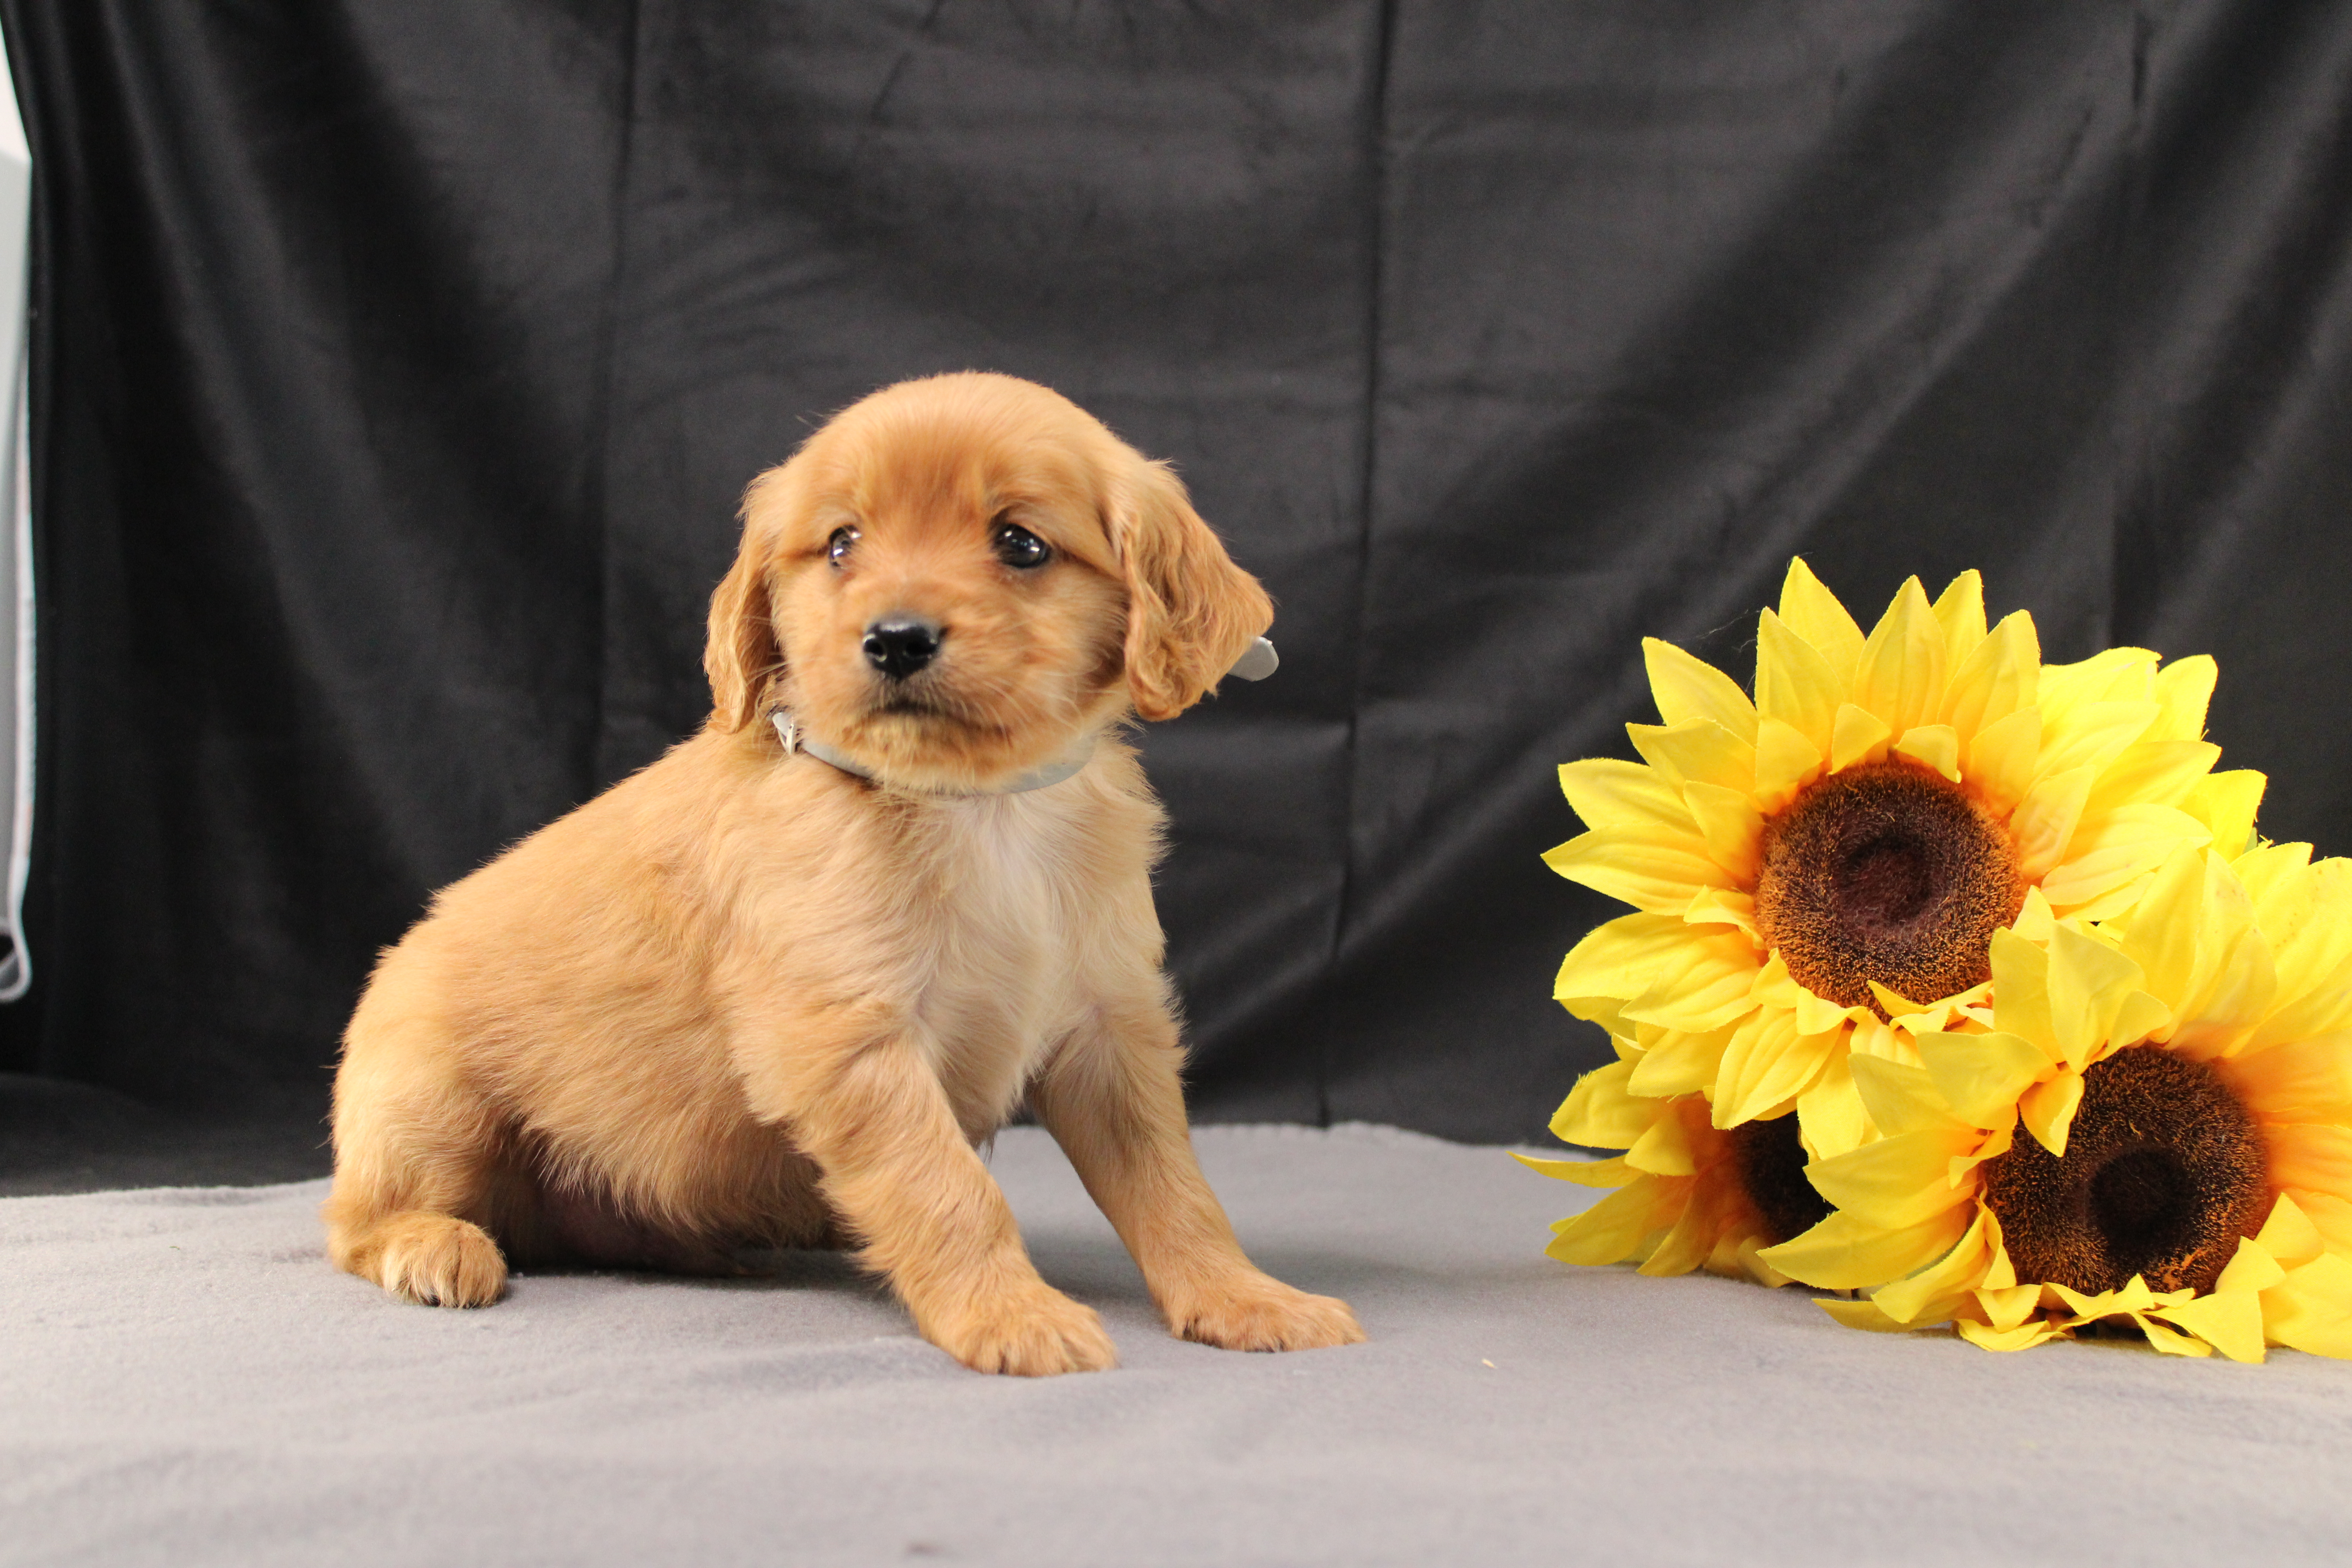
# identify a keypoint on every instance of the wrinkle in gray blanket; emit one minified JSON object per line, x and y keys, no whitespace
{"x":186,"y":1382}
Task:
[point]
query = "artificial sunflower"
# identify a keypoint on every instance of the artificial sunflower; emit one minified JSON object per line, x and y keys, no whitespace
{"x":1690,"y":1194}
{"x":2183,"y":1080}
{"x":1819,"y":872}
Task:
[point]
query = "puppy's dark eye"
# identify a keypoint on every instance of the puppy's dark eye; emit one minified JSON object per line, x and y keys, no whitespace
{"x":836,"y":549}
{"x":1019,"y":548}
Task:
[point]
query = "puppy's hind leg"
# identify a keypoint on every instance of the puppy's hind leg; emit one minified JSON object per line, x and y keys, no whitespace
{"x":417,"y":1165}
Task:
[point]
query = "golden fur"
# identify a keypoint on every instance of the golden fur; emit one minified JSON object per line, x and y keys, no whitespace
{"x":746,"y":998}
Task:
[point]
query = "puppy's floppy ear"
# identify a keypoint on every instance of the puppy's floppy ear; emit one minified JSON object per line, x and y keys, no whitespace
{"x":1189,"y":610}
{"x":743,"y":652}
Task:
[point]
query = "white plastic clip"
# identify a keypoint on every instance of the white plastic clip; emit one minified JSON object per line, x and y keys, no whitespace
{"x":1256,"y":662}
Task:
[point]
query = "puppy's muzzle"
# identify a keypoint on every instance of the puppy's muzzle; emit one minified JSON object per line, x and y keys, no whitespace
{"x":898,"y":645}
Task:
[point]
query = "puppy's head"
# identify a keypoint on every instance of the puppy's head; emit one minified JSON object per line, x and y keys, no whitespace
{"x":958,"y":577}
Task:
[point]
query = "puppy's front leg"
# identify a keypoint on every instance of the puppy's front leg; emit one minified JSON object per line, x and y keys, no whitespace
{"x":1113,"y":1101}
{"x":897,"y":1166}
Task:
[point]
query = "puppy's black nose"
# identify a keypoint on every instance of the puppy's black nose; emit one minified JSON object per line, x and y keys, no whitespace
{"x":898,"y":645}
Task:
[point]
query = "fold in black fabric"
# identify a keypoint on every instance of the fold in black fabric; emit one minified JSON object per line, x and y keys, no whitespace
{"x":397,"y":368}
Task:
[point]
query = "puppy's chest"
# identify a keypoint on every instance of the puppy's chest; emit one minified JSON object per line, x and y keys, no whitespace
{"x":998,"y":922}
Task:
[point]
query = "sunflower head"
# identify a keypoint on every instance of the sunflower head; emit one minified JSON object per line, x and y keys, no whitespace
{"x":1885,"y":875}
{"x":1819,"y":869}
{"x":2156,"y":1130}
{"x":2164,"y":1172}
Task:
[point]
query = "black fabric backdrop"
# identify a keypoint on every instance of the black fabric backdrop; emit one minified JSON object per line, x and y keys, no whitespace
{"x":397,"y":367}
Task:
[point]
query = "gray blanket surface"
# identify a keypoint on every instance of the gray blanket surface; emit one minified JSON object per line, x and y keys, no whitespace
{"x":186,"y":1381}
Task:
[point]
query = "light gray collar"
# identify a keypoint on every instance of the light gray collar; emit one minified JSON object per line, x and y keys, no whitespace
{"x":1255,"y":663}
{"x":795,"y":738}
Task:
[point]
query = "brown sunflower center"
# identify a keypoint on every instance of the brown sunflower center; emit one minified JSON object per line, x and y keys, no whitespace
{"x":2164,"y":1172}
{"x":1770,"y":1160}
{"x":1889,"y":872}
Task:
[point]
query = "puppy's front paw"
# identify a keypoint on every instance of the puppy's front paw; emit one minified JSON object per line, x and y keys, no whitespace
{"x":440,"y":1260}
{"x":1257,"y":1313}
{"x":1035,"y":1331}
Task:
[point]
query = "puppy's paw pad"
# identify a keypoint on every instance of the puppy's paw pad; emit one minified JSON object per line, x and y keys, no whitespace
{"x":1264,"y":1314}
{"x":1039,"y":1333}
{"x":440,"y":1260}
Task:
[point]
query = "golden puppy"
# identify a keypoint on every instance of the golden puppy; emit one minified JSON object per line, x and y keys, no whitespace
{"x":751,"y":996}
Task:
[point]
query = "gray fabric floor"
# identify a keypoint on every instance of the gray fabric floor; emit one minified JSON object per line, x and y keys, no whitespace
{"x":185,"y":1382}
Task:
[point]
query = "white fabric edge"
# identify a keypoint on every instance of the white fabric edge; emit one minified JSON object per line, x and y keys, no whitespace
{"x":16,"y":969}
{"x":16,"y":966}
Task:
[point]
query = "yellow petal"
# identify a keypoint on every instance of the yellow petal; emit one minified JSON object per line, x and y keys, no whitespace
{"x":2033,"y":919}
{"x":2006,"y":1307}
{"x":2002,"y":756}
{"x":2303,"y":1080}
{"x":1682,"y":1062}
{"x":1794,"y":684}
{"x":1706,"y":984}
{"x":1620,"y":958}
{"x":1995,"y":680}
{"x":2315,"y":995}
{"x":2152,"y":772}
{"x":1753,"y":1265}
{"x":1663,"y":1150}
{"x":1813,"y":612}
{"x":2024,"y":1337}
{"x":2311,"y":1309}
{"x":1731,"y":827}
{"x":1626,"y":796}
{"x":1616,"y":1228}
{"x":2133,"y":1297}
{"x":1722,"y":907}
{"x":1600,"y":1113}
{"x":1768,"y":1062}
{"x":2111,"y":674}
{"x":1845,"y":1252}
{"x":1610,"y":1173}
{"x":1982,"y":1075}
{"x":1786,"y":761}
{"x":2183,"y":690}
{"x":1961,"y":612}
{"x":2161,"y":934}
{"x":1861,"y":1315}
{"x":1696,"y":751}
{"x":1936,"y":746}
{"x":1901,"y":676}
{"x":1856,"y":736}
{"x":2318,"y":1155}
{"x":1646,"y":872}
{"x":2226,"y":803}
{"x":1830,"y":1115}
{"x":2329,"y":1216}
{"x":2251,"y":1268}
{"x":2108,"y":852}
{"x":1900,"y":1098}
{"x":2231,"y":1323}
{"x":2289,"y":1235}
{"x":1938,"y":1291}
{"x":1689,"y":688}
{"x":2095,"y":735}
{"x":2282,"y":882}
{"x":2020,"y":990}
{"x":2088,"y":981}
{"x":1693,"y":1237}
{"x":1898,"y":1180}
{"x":2045,"y":820}
{"x":2169,"y":1342}
{"x":2048,"y":1110}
